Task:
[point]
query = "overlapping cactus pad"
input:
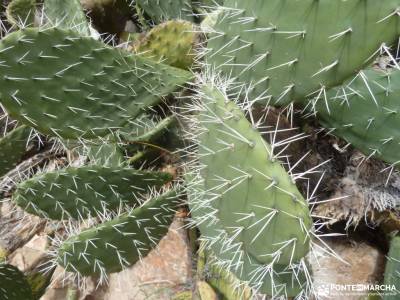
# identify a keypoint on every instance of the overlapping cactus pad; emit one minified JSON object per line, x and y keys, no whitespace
{"x":286,"y":50}
{"x":246,"y":205}
{"x":85,"y":191}
{"x":119,"y":243}
{"x":365,"y":112}
{"x":71,"y":86}
{"x":13,"y":284}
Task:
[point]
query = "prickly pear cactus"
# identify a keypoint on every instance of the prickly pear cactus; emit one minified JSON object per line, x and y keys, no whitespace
{"x":66,"y":14}
{"x":287,"y":50}
{"x":116,"y":244}
{"x":21,"y":12}
{"x":85,"y":191}
{"x":365,"y":112}
{"x":13,"y":284}
{"x":172,"y":43}
{"x":12,"y":148}
{"x":71,"y":86}
{"x":247,"y":207}
{"x":392,"y":270}
{"x":163,"y":10}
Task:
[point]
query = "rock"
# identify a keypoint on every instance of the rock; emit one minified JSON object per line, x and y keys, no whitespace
{"x":31,"y":253}
{"x":161,"y":274}
{"x":16,"y":227}
{"x":165,"y":270}
{"x":365,"y":265}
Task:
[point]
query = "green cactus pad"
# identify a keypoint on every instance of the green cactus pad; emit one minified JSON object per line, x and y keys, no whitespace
{"x":12,"y":148}
{"x":121,"y":242}
{"x":13,"y":284}
{"x":71,"y":86}
{"x":365,"y":112}
{"x":66,"y":14}
{"x":162,"y":10}
{"x":172,"y":43}
{"x":244,"y":202}
{"x":290,"y":49}
{"x":85,"y":191}
{"x":21,"y":12}
{"x":392,"y":269}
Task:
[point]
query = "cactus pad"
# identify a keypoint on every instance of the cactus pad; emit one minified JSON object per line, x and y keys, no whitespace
{"x":71,"y":86}
{"x":85,"y":191}
{"x":392,"y":269}
{"x":12,"y":148}
{"x":244,"y":202}
{"x":365,"y":112}
{"x":146,"y":130}
{"x":172,"y":43}
{"x":66,"y":14}
{"x":121,"y":242}
{"x":13,"y":284}
{"x":21,"y":12}
{"x":162,"y":10}
{"x":290,"y":49}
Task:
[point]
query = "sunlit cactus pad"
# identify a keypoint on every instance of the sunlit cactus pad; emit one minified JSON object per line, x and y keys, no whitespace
{"x":71,"y":86}
{"x":85,"y":191}
{"x":172,"y":43}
